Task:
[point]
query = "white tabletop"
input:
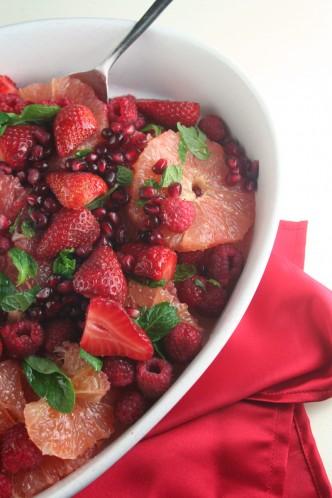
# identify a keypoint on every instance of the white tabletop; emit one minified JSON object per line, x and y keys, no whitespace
{"x":285,"y":47}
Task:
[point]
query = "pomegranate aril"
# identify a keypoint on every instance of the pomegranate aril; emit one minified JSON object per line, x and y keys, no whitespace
{"x":33,"y":176}
{"x":39,"y":219}
{"x":120,"y":196}
{"x":101,"y":150}
{"x":253,"y":170}
{"x":232,"y":162}
{"x":65,"y":287}
{"x":42,"y":136}
{"x":110,"y":178}
{"x":250,"y":185}
{"x":159,"y":167}
{"x":133,"y":312}
{"x":120,"y":235}
{"x":34,"y":200}
{"x":106,"y":229}
{"x":233,"y":179}
{"x":78,"y":165}
{"x":232,"y":148}
{"x":131,"y":154}
{"x":106,"y":133}
{"x":197,"y":190}
{"x":36,"y":153}
{"x":84,"y":251}
{"x":175,"y":189}
{"x":91,"y":157}
{"x":117,"y":157}
{"x":151,"y":208}
{"x":36,"y":313}
{"x":114,"y":218}
{"x":99,"y":213}
{"x":41,"y":189}
{"x":155,"y":239}
{"x":41,"y":165}
{"x":101,"y":165}
{"x":152,"y":222}
{"x":51,"y":205}
{"x":44,"y":294}
{"x":147,"y":193}
{"x":5,"y":168}
{"x":139,"y":140}
{"x":53,"y":281}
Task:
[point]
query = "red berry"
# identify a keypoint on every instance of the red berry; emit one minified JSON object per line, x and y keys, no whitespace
{"x":177,"y":214}
{"x":15,"y":145}
{"x":154,"y":377}
{"x":5,"y":486}
{"x":22,"y":338}
{"x":191,"y":258}
{"x":18,"y":451}
{"x":123,"y":110}
{"x":129,"y":407}
{"x":72,"y":125}
{"x":75,"y":190}
{"x":57,"y":332}
{"x":120,"y":370}
{"x":168,"y":113}
{"x":183,"y":343}
{"x":154,"y":262}
{"x":213,"y":127}
{"x":69,"y":228}
{"x":203,"y":296}
{"x":223,"y":263}
{"x":7,"y":85}
{"x":12,"y":102}
{"x":101,"y":275}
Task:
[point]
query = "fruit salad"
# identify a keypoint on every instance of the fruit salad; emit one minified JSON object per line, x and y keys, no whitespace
{"x":123,"y":232}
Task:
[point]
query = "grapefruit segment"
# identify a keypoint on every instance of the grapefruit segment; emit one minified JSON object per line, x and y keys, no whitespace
{"x":223,"y":213}
{"x":12,"y":400}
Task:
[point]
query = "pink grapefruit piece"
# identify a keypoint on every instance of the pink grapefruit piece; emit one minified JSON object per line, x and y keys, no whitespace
{"x":223,"y":213}
{"x":12,"y":399}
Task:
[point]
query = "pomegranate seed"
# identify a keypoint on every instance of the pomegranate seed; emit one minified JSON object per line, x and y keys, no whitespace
{"x":232,"y":162}
{"x":99,"y":213}
{"x":106,"y":228}
{"x":139,"y":140}
{"x":4,"y":224}
{"x":101,"y":150}
{"x":250,"y":185}
{"x":84,"y":251}
{"x":93,"y":168}
{"x":52,"y":308}
{"x":233,"y":179}
{"x":103,"y":240}
{"x":121,"y":197}
{"x":21,"y":176}
{"x":115,"y":141}
{"x":143,"y":235}
{"x":146,"y":193}
{"x":133,"y":312}
{"x":4,"y":245}
{"x":65,"y":287}
{"x":197,"y":191}
{"x":33,"y":176}
{"x":78,"y":165}
{"x":132,"y":154}
{"x":129,"y":130}
{"x":114,"y":218}
{"x":127,"y":263}
{"x":91,"y":157}
{"x":73,"y":299}
{"x":155,"y":238}
{"x":101,"y":164}
{"x":42,"y":136}
{"x":253,"y":170}
{"x":232,"y":148}
{"x":41,"y":165}
{"x":44,"y":294}
{"x":41,"y":188}
{"x":36,"y":313}
{"x":36,"y":153}
{"x":159,"y":167}
{"x":120,"y":235}
{"x":51,"y":205}
{"x":106,"y":133}
{"x":34,"y":199}
{"x":5,"y":168}
{"x":175,"y":189}
{"x":38,"y":218}
{"x":110,"y":179}
{"x":53,"y":281}
{"x":151,"y":208}
{"x":117,"y":157}
{"x":152,"y":222}
{"x":116,"y":127}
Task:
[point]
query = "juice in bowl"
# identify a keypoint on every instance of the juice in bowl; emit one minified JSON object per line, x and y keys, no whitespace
{"x":167,"y":222}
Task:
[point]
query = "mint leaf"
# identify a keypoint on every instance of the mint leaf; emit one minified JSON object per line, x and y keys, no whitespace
{"x":3,"y":118}
{"x":214,"y":282}
{"x":124,"y":176}
{"x":25,"y":264}
{"x":193,"y":139}
{"x":200,"y":284}
{"x":27,"y":229}
{"x":82,"y":153}
{"x":50,"y":382}
{"x":151,"y":183}
{"x":19,"y":301}
{"x":64,"y":265}
{"x":182,"y":151}
{"x":148,"y":282}
{"x":158,"y":320}
{"x":6,"y":287}
{"x":171,"y":174}
{"x":156,"y":129}
{"x":36,"y":113}
{"x":100,"y":201}
{"x":183,"y":272}
{"x":94,"y":362}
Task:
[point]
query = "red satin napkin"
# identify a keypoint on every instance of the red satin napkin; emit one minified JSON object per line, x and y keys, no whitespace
{"x":242,"y":430}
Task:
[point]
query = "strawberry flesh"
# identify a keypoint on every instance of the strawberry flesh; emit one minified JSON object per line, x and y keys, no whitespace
{"x":70,"y":228}
{"x":168,"y":112}
{"x":72,"y":125}
{"x":7,"y":85}
{"x":16,"y":143}
{"x":109,"y":331}
{"x":75,"y":190}
{"x":101,"y":275}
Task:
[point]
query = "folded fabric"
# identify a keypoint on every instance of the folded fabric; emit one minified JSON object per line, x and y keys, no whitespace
{"x":242,"y":431}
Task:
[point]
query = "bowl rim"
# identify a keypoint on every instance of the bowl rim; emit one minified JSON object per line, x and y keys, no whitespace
{"x":74,"y":482}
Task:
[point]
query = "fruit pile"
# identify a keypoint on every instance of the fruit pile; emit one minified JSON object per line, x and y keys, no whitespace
{"x":122,"y":228}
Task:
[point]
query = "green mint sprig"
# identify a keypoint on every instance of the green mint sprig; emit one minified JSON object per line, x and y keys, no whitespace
{"x":183,"y":272}
{"x":156,"y":129}
{"x":158,"y":320}
{"x":93,"y":361}
{"x":13,"y":300}
{"x":193,"y":139}
{"x":173,"y":173}
{"x":24,"y":263}
{"x":64,"y":264}
{"x":50,"y":382}
{"x":32,"y":113}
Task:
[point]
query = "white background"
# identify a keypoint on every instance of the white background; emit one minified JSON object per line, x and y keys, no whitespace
{"x":285,"y":48}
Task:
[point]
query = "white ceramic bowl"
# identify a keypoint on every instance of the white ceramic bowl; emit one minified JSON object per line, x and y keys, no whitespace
{"x":160,"y":63}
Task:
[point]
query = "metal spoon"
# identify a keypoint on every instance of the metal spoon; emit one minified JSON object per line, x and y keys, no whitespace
{"x":98,"y":78}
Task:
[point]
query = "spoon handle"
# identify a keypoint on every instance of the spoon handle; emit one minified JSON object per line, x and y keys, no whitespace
{"x":140,"y":26}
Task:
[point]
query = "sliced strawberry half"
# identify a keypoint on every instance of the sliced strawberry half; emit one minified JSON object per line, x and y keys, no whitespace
{"x":75,"y":190}
{"x":7,"y":85}
{"x":16,"y":143}
{"x":169,"y":112}
{"x":72,"y":125}
{"x":109,"y":331}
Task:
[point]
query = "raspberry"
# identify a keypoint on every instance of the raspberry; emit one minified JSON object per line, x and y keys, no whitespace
{"x":223,"y":263}
{"x":183,"y":343}
{"x":191,"y":258}
{"x":57,"y":332}
{"x":22,"y":338}
{"x":213,"y":127}
{"x":12,"y":103}
{"x":129,"y":407}
{"x":5,"y":486}
{"x":123,"y":110}
{"x":120,"y":370}
{"x":203,"y":296}
{"x":18,"y":451}
{"x":177,"y":215}
{"x":154,"y":377}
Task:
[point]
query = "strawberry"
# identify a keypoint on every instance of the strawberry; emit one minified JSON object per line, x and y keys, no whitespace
{"x":109,"y":331}
{"x":177,"y":214}
{"x":75,"y":190}
{"x":101,"y":275}
{"x":70,"y":228}
{"x":168,"y":113}
{"x":16,"y":143}
{"x":153,"y":262}
{"x":7,"y":85}
{"x":72,"y":125}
